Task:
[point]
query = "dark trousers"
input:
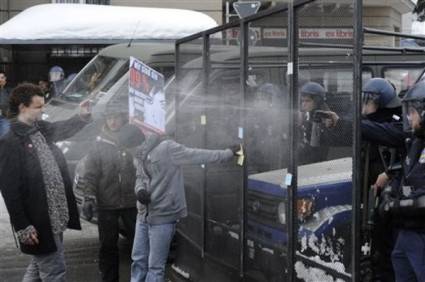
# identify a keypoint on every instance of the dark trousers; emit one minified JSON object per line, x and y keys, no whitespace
{"x":108,"y":236}
{"x":409,"y":256}
{"x":383,"y":237}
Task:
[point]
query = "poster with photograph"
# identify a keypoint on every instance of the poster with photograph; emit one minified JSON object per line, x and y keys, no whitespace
{"x":146,"y":97}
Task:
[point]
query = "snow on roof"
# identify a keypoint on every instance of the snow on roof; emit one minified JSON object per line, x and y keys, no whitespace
{"x":98,"y":22}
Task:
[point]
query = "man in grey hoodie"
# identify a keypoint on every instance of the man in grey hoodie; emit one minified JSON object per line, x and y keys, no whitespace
{"x":161,"y":200}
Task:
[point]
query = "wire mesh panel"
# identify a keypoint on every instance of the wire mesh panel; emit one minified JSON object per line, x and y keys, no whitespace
{"x":223,"y":181}
{"x":325,"y":90}
{"x":267,"y":146}
{"x":189,"y":131}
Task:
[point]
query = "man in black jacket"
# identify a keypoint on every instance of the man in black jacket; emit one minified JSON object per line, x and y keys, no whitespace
{"x":4,"y":101}
{"x":109,"y":178}
{"x":35,"y":182}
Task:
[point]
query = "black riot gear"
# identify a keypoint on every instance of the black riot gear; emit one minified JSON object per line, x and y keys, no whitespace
{"x":414,"y":100}
{"x":381,"y":92}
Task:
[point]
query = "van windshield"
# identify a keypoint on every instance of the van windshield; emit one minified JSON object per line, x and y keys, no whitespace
{"x":98,"y":76}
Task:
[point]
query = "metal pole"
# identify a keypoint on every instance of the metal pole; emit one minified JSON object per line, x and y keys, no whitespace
{"x":177,"y":92}
{"x":392,"y":33}
{"x":205,"y":80}
{"x":243,"y":77}
{"x":357,"y":84}
{"x":293,"y":137}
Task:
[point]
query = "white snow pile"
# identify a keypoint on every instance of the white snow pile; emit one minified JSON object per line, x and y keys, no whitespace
{"x":76,"y":21}
{"x":325,"y":247}
{"x":312,"y":274}
{"x":319,"y":249}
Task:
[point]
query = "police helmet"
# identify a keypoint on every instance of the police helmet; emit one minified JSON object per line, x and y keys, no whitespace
{"x":315,"y":91}
{"x":415,"y":99}
{"x":269,"y":92}
{"x":381,"y":92}
{"x":56,"y":73}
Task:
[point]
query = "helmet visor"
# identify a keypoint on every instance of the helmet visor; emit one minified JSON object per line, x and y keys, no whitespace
{"x":409,"y":107}
{"x":370,"y":97}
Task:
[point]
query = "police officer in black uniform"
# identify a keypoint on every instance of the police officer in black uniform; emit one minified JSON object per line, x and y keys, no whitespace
{"x":380,"y":105}
{"x":404,"y":200}
{"x":380,"y":126}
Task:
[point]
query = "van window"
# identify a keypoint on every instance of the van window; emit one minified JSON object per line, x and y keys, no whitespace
{"x":334,"y":80}
{"x":402,"y":78}
{"x":98,"y":76}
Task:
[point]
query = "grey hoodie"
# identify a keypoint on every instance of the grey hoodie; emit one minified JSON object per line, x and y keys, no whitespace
{"x":164,"y":161}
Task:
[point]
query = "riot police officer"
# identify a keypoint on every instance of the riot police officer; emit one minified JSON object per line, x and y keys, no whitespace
{"x":380,"y":126}
{"x":380,"y":105}
{"x":313,"y":124}
{"x":405,"y":199}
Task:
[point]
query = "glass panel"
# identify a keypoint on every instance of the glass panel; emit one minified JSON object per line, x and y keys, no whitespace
{"x":325,"y":84}
{"x":267,"y":145}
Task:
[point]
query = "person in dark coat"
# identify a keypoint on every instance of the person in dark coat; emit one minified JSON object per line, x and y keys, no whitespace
{"x":108,"y":181}
{"x":35,"y":182}
{"x":4,"y":104}
{"x":403,"y":199}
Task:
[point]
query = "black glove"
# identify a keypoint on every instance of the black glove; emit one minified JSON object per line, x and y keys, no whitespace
{"x":143,"y":196}
{"x":89,"y":206}
{"x":235,"y":148}
{"x":385,"y":203}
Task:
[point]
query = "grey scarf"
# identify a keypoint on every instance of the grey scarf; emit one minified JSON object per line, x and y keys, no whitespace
{"x":53,"y":183}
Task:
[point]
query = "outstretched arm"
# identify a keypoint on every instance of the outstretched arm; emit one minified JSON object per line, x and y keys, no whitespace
{"x":387,"y":134}
{"x":61,"y":130}
{"x":181,"y":155}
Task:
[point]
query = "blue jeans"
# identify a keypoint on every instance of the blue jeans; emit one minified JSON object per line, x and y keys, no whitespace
{"x":408,"y":256}
{"x":150,"y":250}
{"x":46,"y":268}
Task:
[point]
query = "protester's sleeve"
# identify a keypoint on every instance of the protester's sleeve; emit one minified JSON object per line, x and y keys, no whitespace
{"x":61,"y":130}
{"x":387,"y":134}
{"x":181,"y":155}
{"x":91,"y":173}
{"x":11,"y":185}
{"x":141,"y":178}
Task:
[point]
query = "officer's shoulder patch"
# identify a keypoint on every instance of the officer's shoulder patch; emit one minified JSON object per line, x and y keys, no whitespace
{"x":422,"y":157}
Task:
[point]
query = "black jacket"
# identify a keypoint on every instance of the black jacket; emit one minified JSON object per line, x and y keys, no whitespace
{"x":413,"y":169}
{"x":21,"y":179}
{"x":413,"y":176}
{"x":110,"y":175}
